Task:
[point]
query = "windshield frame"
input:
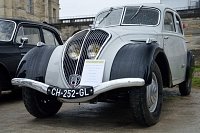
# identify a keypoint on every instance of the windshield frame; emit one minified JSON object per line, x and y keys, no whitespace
{"x":143,"y":7}
{"x":120,"y":20}
{"x":15,"y":25}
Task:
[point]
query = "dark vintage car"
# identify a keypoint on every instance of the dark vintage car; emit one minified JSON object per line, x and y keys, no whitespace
{"x":17,"y":37}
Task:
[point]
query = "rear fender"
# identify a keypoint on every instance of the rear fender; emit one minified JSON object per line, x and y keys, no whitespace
{"x":190,"y":66}
{"x":136,"y":61}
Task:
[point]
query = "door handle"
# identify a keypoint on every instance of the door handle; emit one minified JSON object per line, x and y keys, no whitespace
{"x":166,"y":37}
{"x":183,"y":65}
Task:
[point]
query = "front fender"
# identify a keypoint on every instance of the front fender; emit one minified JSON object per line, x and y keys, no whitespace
{"x":34,"y":64}
{"x":135,"y":61}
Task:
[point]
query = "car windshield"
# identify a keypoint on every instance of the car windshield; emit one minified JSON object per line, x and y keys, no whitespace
{"x":109,"y":18}
{"x":6,"y":30}
{"x":141,"y":16}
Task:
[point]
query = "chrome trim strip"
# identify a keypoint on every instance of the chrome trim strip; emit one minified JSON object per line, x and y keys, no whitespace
{"x":103,"y":45}
{"x":98,"y":89}
{"x":81,"y":50}
{"x":122,"y":15}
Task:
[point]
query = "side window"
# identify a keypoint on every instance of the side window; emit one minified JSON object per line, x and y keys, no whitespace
{"x":20,"y":34}
{"x":49,"y":38}
{"x":178,"y":25}
{"x":169,"y":22}
{"x":32,"y":33}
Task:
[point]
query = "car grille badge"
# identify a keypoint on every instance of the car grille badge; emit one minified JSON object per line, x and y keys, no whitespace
{"x":74,"y":80}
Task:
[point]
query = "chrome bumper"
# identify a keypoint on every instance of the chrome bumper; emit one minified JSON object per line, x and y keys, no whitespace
{"x":98,"y":89}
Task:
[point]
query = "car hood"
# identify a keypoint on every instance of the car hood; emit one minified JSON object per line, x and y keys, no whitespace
{"x":130,"y":33}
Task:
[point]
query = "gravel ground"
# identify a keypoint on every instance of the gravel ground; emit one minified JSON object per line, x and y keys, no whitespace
{"x":179,"y":115}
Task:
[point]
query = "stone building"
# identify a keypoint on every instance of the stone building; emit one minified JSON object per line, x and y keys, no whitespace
{"x":37,"y":10}
{"x":182,"y":4}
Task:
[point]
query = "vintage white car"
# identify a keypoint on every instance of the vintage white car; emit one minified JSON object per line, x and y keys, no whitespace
{"x":130,"y":52}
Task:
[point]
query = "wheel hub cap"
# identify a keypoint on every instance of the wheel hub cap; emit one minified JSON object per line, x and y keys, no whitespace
{"x":152,"y":94}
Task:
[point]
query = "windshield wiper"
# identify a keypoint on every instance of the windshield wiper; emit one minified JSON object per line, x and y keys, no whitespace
{"x":137,"y":12}
{"x":110,"y":10}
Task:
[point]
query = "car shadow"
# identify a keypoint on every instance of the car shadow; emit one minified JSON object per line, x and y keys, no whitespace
{"x":88,"y":117}
{"x":10,"y":97}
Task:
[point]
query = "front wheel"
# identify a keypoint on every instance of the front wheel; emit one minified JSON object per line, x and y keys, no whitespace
{"x":146,"y":101}
{"x":40,"y":105}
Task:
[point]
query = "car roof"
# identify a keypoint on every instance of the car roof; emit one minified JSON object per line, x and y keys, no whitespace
{"x":160,"y":6}
{"x":17,"y":21}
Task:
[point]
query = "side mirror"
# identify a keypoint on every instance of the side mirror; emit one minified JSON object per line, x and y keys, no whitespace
{"x":23,"y":40}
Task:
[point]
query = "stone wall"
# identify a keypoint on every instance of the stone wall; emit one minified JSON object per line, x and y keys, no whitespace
{"x":192,"y":32}
{"x":191,"y":17}
{"x":41,"y":10}
{"x":68,"y":29}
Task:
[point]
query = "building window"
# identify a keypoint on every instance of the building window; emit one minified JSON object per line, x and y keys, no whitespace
{"x":29,"y":6}
{"x":54,"y":15}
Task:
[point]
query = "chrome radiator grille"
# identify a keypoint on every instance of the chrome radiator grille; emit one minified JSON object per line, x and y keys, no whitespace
{"x":73,"y":68}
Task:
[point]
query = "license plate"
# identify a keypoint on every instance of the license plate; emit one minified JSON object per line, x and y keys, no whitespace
{"x":70,"y":93}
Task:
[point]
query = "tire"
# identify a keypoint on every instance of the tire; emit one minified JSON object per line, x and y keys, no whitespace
{"x":185,"y":87}
{"x":1,"y":83}
{"x":38,"y":104}
{"x":17,"y":92}
{"x":144,"y":113}
{"x":4,"y":81}
{"x":0,"y":87}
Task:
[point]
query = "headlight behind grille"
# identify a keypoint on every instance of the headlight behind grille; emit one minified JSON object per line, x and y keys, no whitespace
{"x":74,"y":51}
{"x":92,"y":51}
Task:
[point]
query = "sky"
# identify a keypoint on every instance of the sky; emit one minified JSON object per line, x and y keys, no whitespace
{"x":70,"y":8}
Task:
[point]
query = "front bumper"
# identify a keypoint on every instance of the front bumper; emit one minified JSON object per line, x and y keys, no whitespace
{"x":98,"y":89}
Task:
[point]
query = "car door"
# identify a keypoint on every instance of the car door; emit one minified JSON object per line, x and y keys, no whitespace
{"x":182,"y":48}
{"x":174,"y":47}
{"x":32,"y":32}
{"x":9,"y":53}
